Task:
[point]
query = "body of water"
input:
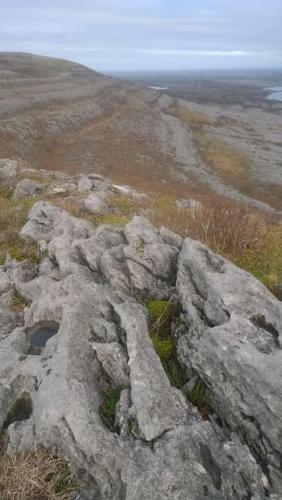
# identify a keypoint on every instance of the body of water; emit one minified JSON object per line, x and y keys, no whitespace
{"x":158,"y":88}
{"x":276,"y":93}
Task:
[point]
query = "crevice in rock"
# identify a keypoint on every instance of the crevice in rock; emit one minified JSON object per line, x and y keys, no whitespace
{"x":199,"y":301}
{"x":260,"y":321}
{"x":21,"y":410}
{"x":163,"y":318}
{"x":211,"y":466}
{"x":162,"y":278}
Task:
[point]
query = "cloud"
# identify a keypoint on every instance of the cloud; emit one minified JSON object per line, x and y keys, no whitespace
{"x":156,"y":34}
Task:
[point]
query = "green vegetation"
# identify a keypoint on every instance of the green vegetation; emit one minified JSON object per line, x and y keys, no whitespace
{"x":13,"y":216}
{"x":107,"y":410}
{"x":163,"y":314}
{"x":199,"y":398}
{"x":115,"y":220}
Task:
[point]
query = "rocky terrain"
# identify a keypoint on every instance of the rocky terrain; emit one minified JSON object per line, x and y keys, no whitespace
{"x":149,"y":363}
{"x":61,"y":115}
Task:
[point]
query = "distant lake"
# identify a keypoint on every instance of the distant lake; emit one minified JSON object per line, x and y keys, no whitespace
{"x":276,"y":93}
{"x":161,"y":88}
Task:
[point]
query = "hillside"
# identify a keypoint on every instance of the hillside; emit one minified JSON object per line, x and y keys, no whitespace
{"x":140,"y":287}
{"x":60,"y":115}
{"x":134,"y":364}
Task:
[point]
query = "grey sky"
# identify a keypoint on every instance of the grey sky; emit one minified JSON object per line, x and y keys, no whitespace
{"x":147,"y":34}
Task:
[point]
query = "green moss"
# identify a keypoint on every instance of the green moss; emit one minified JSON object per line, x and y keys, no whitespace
{"x":107,"y":410}
{"x":163,"y":314}
{"x":98,"y":220}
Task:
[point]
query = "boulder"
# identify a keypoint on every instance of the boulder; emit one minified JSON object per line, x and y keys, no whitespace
{"x":61,"y":187}
{"x":97,"y":203}
{"x":27,"y":188}
{"x":9,"y":169}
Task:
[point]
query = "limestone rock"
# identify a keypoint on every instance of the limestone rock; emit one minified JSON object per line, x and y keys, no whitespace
{"x":9,"y":169}
{"x":27,"y":188}
{"x":190,"y":203}
{"x":96,"y":203}
{"x":90,"y":287}
{"x":233,"y":341}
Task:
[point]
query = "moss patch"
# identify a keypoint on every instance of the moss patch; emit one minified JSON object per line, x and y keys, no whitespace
{"x":107,"y":410}
{"x":163,"y":314}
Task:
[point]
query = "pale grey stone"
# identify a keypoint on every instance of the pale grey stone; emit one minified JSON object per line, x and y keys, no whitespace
{"x":27,"y":188}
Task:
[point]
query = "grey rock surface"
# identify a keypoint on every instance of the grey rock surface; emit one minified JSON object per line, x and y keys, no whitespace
{"x":233,"y":341}
{"x":90,"y":288}
{"x":96,"y":203}
{"x":27,"y":188}
{"x":189,"y":203}
{"x":9,"y":169}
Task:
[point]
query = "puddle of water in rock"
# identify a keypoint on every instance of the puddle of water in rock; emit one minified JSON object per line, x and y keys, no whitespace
{"x":40,"y":336}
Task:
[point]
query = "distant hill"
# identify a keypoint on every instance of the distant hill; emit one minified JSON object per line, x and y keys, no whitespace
{"x":21,"y":65}
{"x":61,"y":115}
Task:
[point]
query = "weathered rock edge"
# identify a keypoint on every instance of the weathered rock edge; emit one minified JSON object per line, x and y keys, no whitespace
{"x":90,"y":283}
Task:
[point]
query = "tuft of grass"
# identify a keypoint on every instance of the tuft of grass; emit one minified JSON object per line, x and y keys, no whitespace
{"x":13,"y":216}
{"x":107,"y":410}
{"x":18,"y":303}
{"x":163,"y":314}
{"x":115,"y":220}
{"x":38,"y":476}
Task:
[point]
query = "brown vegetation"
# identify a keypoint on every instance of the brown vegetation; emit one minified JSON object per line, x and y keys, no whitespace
{"x":38,"y":476}
{"x":249,"y":239}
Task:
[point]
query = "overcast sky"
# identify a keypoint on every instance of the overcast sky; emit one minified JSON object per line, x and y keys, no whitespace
{"x":147,"y":34}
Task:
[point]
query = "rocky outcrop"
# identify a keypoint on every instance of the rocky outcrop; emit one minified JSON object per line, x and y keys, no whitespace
{"x":89,"y":294}
{"x":234,"y":343}
{"x":27,"y":188}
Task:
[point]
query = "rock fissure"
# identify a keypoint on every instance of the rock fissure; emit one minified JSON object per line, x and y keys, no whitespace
{"x":104,"y":399}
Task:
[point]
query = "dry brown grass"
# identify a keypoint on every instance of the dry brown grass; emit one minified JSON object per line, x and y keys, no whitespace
{"x":38,"y":476}
{"x":194,"y":119}
{"x":18,"y":303}
{"x":249,"y":239}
